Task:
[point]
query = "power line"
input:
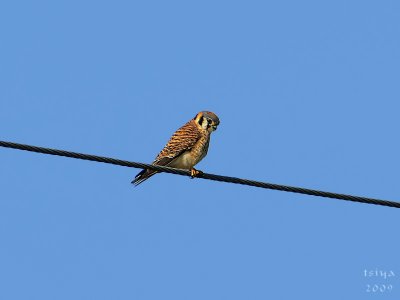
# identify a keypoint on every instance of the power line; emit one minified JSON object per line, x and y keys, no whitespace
{"x":214,"y":177}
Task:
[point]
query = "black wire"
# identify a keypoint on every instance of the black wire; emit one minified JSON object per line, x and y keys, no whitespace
{"x":214,"y":177}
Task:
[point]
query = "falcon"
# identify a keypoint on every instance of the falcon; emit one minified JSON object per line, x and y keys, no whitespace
{"x":187,"y":146}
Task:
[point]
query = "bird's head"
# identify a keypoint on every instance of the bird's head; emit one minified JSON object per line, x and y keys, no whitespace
{"x":207,"y":120}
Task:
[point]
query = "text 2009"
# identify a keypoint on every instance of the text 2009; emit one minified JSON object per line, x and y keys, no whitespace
{"x":379,"y":288}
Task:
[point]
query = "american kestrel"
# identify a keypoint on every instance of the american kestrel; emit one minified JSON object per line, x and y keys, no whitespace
{"x":187,"y":146}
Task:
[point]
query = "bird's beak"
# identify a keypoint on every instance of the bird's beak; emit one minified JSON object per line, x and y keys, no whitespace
{"x":214,"y":127}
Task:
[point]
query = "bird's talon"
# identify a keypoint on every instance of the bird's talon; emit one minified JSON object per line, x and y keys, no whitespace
{"x":195,"y":173}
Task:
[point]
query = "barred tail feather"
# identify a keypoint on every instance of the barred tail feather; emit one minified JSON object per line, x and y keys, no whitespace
{"x":142,"y":176}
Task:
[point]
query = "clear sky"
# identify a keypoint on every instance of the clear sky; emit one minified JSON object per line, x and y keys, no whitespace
{"x":308,"y":95}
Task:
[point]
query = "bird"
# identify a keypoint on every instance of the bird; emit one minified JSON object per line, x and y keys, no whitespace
{"x":186,"y":148}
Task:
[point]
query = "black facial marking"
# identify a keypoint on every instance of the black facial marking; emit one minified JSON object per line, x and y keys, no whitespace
{"x":201,"y":120}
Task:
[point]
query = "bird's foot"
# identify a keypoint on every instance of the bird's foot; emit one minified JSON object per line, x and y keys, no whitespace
{"x":195,"y":173}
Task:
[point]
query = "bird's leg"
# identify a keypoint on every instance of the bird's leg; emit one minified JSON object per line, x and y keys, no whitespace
{"x":195,"y":173}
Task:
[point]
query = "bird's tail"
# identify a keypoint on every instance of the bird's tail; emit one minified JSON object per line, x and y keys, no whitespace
{"x":142,"y":176}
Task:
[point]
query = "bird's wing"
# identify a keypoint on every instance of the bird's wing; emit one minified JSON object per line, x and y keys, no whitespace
{"x":183,"y":139}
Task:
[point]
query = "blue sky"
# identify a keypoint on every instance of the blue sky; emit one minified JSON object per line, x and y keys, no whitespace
{"x":308,"y":95}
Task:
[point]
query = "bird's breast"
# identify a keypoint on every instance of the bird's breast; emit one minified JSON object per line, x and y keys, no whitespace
{"x":199,"y":151}
{"x":189,"y":158}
